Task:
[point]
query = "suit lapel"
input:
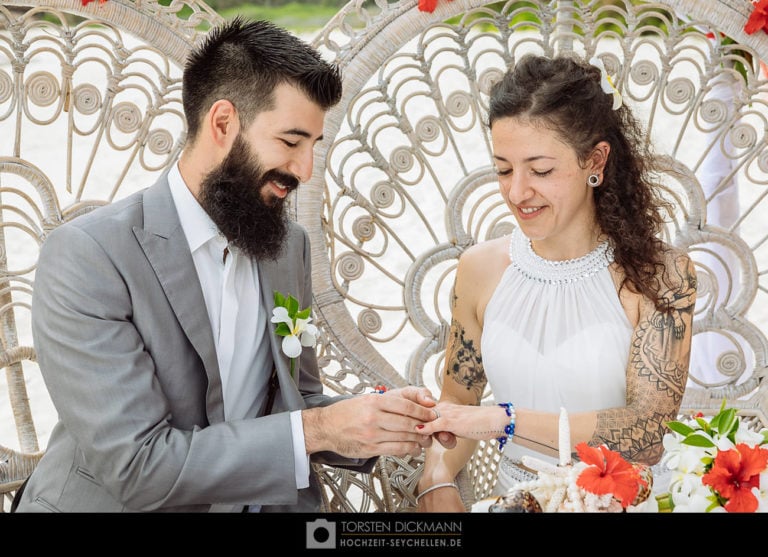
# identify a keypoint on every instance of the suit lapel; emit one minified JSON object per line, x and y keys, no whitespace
{"x":269,"y":275}
{"x":167,"y":250}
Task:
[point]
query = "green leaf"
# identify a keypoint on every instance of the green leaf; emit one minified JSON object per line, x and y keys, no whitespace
{"x":282,"y":330}
{"x":729,"y":422}
{"x":681,"y":428}
{"x":697,"y":440}
{"x":303,"y":314}
{"x":279,"y":299}
{"x":704,"y":425}
{"x":293,"y":306}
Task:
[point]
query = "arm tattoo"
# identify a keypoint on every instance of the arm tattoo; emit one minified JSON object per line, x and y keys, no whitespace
{"x":657,"y":375}
{"x":464,"y":363}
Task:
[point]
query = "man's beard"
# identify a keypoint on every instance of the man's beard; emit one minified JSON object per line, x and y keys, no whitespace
{"x":231,"y":194}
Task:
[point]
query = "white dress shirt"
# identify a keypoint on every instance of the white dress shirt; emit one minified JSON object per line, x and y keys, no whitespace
{"x":239,"y":321}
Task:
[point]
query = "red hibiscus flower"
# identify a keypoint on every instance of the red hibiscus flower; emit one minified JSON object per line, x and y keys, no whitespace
{"x":758,"y":19}
{"x":733,"y":475}
{"x":428,"y":5}
{"x":86,"y":2}
{"x":608,"y":473}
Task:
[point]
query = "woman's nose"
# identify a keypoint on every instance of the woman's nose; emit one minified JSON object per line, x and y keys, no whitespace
{"x":518,"y":189}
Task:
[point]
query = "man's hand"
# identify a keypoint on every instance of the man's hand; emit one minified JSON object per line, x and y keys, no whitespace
{"x":423,"y":396}
{"x":372,"y":424}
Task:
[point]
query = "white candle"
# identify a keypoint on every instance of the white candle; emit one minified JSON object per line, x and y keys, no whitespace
{"x":564,"y":441}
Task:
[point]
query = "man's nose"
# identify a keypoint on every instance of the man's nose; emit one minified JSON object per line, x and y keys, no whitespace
{"x":301,"y":164}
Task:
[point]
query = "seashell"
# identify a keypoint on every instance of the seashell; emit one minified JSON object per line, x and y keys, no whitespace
{"x":516,"y":501}
{"x":645,"y":491}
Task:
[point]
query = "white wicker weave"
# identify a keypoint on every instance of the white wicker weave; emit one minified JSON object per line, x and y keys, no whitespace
{"x":403,"y":182}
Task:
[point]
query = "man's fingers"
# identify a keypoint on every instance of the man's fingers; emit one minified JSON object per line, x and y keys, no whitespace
{"x":404,"y":407}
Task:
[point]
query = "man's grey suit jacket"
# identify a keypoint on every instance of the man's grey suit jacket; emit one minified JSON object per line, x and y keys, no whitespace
{"x":126,"y":350}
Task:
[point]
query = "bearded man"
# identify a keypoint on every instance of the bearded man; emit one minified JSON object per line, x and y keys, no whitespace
{"x":151,"y":316}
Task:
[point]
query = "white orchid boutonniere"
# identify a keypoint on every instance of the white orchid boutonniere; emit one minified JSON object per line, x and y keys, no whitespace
{"x":293,"y":325}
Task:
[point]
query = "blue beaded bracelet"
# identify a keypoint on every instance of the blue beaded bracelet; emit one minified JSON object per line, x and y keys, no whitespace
{"x":509,"y":429}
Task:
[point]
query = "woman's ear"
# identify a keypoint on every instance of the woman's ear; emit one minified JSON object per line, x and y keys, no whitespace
{"x":599,"y":157}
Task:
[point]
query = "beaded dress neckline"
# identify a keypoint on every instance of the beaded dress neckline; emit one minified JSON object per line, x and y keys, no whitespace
{"x":535,"y":267}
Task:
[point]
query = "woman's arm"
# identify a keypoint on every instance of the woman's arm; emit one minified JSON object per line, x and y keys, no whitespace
{"x":657,"y":371}
{"x":464,"y":382}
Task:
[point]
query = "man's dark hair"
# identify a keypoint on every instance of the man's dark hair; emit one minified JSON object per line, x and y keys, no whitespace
{"x":243,"y":61}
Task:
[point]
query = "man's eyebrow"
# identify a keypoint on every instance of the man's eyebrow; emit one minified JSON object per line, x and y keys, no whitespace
{"x":301,"y":133}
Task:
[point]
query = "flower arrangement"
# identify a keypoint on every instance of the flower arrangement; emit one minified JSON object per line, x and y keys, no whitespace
{"x":601,"y":481}
{"x":718,"y":465}
{"x":293,"y":325}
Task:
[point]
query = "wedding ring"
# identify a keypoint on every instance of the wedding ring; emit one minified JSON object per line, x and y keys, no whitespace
{"x":436,"y":412}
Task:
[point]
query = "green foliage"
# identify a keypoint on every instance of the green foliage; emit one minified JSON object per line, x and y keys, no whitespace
{"x":724,"y":424}
{"x":294,"y":16}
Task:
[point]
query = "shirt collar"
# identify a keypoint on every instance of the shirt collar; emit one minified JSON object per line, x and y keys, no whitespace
{"x":197,"y":225}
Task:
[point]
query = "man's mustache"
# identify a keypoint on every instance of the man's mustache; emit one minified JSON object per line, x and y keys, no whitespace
{"x":288,"y":181}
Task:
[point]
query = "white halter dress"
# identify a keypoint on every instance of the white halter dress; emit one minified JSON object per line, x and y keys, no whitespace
{"x":554,"y":335}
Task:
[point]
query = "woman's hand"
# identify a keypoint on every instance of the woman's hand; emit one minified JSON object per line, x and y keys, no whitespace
{"x":469,"y":422}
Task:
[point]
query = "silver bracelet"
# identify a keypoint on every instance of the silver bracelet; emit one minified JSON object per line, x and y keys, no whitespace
{"x":434,"y":487}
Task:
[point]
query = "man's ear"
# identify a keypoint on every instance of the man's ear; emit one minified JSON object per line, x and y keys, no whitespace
{"x":223,"y":123}
{"x":599,"y":157}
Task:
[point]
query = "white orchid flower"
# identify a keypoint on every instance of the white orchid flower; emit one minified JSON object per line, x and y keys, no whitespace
{"x":606,"y":82}
{"x":303,"y":333}
{"x":748,"y":436}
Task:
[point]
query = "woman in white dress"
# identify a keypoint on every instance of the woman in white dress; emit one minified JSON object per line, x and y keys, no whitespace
{"x":582,"y":307}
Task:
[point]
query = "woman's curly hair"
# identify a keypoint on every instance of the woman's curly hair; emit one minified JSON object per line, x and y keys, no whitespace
{"x":564,"y":94}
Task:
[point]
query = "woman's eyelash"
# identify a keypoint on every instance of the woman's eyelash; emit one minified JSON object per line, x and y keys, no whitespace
{"x":535,"y":172}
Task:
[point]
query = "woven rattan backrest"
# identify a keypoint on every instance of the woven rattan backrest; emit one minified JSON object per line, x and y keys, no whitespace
{"x":90,"y":110}
{"x":405,"y":181}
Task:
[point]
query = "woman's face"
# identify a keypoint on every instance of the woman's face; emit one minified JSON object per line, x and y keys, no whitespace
{"x":545,"y":187}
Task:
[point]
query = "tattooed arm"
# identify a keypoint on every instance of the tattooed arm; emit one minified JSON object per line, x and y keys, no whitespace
{"x":464,"y":380}
{"x":657,"y":372}
{"x":657,"y":369}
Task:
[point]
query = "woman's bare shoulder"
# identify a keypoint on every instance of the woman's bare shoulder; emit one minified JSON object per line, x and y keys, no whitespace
{"x":486,"y":250}
{"x":485,"y":259}
{"x":678,"y":268}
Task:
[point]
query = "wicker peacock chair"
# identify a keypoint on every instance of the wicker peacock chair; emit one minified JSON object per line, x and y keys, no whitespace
{"x":403,"y":183}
